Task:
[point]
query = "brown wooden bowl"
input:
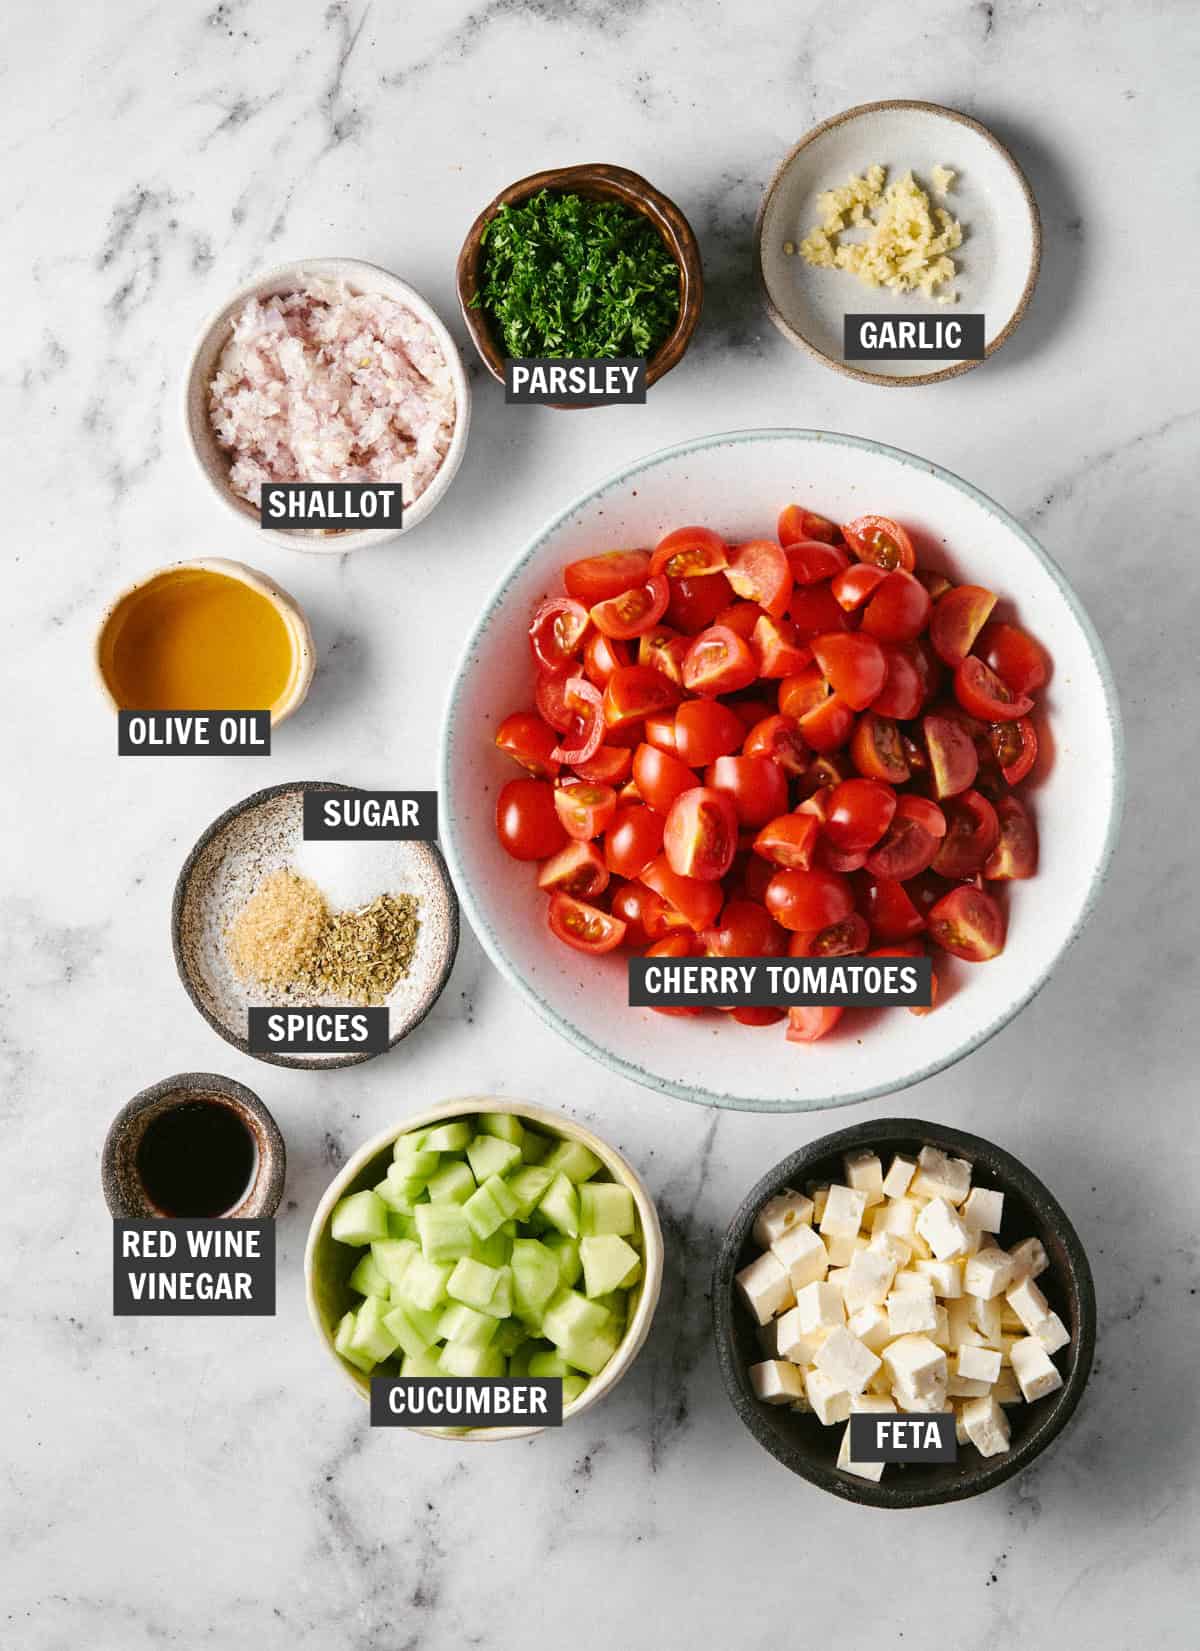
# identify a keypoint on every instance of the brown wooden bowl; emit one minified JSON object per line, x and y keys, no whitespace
{"x":598,"y":183}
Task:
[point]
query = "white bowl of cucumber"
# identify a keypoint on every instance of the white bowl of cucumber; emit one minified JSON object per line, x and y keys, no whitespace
{"x":485,"y":1237}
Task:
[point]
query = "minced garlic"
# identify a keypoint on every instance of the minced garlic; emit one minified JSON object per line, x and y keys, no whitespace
{"x":943,"y":179}
{"x":909,"y":242}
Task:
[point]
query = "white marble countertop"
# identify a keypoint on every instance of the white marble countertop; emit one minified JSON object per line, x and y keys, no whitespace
{"x":189,"y":1483}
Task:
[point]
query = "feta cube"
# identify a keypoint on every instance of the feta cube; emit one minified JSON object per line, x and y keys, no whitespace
{"x":839,"y":1250}
{"x":988,"y":1273}
{"x":868,"y":1279}
{"x":983,"y":1210}
{"x":1052,"y":1333}
{"x":1029,"y":1304}
{"x":802,"y":1253}
{"x":910,"y":1279}
{"x":917,"y":1366}
{"x":978,"y":1364}
{"x":898,"y":1216}
{"x":962,"y":1387}
{"x":911,"y":1311}
{"x":1009,"y":1322}
{"x":893,"y":1249}
{"x":837,"y":1277}
{"x":941,"y":1330}
{"x":1035,"y":1370}
{"x":940,"y":1176}
{"x":844,"y":1359}
{"x":986,"y":1426}
{"x":962,"y":1331}
{"x":794,"y":1343}
{"x":778,"y":1214}
{"x":765,"y":1286}
{"x":1029,"y":1259}
{"x":899,"y":1176}
{"x":861,"y":1470}
{"x":843,"y":1212}
{"x":819,"y":1195}
{"x":829,"y":1402}
{"x":942,"y":1228}
{"x":870,"y":1325}
{"x":922,"y":1404}
{"x":945,"y":1276}
{"x":985,"y":1316}
{"x":776,"y":1382}
{"x":819,"y":1307}
{"x":960,"y":1432}
{"x":864,"y":1173}
{"x":872,"y":1404}
{"x":1007,"y":1390}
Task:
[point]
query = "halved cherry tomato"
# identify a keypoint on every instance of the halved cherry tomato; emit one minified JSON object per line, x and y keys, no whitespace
{"x":935,"y":583}
{"x":646,"y":915}
{"x":1015,"y":747}
{"x":899,"y":609}
{"x":969,"y":923}
{"x":757,"y":785}
{"x":525,"y":737}
{"x":876,"y":751}
{"x":608,"y":765}
{"x":681,"y":944}
{"x":635,"y":692}
{"x":634,"y":611}
{"x":855,"y":584}
{"x":812,"y":560}
{"x":808,"y":900}
{"x":719,"y":661}
{"x":663,"y":650}
{"x":701,"y":834}
{"x":902,"y":694}
{"x":527,"y":822}
{"x":972,"y":832}
{"x":814,"y":610}
{"x":778,"y":737}
{"x":602,"y":655}
{"x":705,"y":730}
{"x":1016,"y":853}
{"x":880,"y":540}
{"x":842,"y":939}
{"x":860,"y":811}
{"x":796,"y":523}
{"x":1014,"y":656}
{"x":744,"y":929}
{"x":696,"y":602}
{"x":802,"y":692}
{"x":659,"y":730}
{"x":599,"y":578}
{"x":905,"y":849}
{"x":828,"y":857}
{"x":980,"y":692}
{"x":660,"y":777}
{"x":889,"y":910}
{"x":557,"y":632}
{"x":756,"y":1014}
{"x":581,"y":738}
{"x":586,"y":928}
{"x":550,"y":696}
{"x":741,"y":617}
{"x":633,"y":839}
{"x":958,"y":617}
{"x":577,"y":869}
{"x":853,"y":665}
{"x":759,"y":571}
{"x":776,"y":649}
{"x":585,"y":810}
{"x":829,"y":725}
{"x":953,"y":759}
{"x":808,"y":1022}
{"x":690,"y":553}
{"x":696,"y":901}
{"x":789,"y":840}
{"x":927,"y":814}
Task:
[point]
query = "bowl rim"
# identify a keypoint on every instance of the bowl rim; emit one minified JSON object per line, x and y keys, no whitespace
{"x":793,"y":334}
{"x":636,"y":1332}
{"x":367,"y":277}
{"x":881,"y":1132}
{"x":698,"y":444}
{"x":635,"y":190}
{"x":309,"y":1063}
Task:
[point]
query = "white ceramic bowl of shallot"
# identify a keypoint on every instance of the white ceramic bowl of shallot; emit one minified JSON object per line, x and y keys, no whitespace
{"x":327,"y":370}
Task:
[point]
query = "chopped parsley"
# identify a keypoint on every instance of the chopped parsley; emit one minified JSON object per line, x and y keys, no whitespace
{"x":564,"y":276}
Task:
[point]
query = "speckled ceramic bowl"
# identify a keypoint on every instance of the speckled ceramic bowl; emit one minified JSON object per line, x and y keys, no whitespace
{"x":124,"y":1192}
{"x":328,"y":1264}
{"x":737,"y":483}
{"x":256,"y":837}
{"x":798,"y":1440}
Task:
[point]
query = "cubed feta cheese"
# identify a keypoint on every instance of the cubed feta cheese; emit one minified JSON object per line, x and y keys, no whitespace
{"x":899,"y":1176}
{"x":843,"y":1212}
{"x":872,"y":1404}
{"x":1029,"y":1259}
{"x":985,"y":1316}
{"x":941,"y":1330}
{"x":977,"y":1364}
{"x":819,"y":1195}
{"x":945,"y":1276}
{"x":868,"y":1279}
{"x":1029,"y":1304}
{"x":776,"y":1382}
{"x":893,"y":1249}
{"x":765,"y":1287}
{"x":916,"y":1364}
{"x":1035,"y":1370}
{"x":983,"y":1210}
{"x":845,"y":1360}
{"x":819,"y":1307}
{"x":912,"y":1310}
{"x":839,"y":1250}
{"x":778,"y":1214}
{"x":870,"y":1325}
{"x":962,"y":1331}
{"x":802,"y":1253}
{"x":898,"y":1215}
{"x":962,"y":1387}
{"x":988,"y":1273}
{"x":986,"y":1426}
{"x":864,"y":1173}
{"x":1052,"y":1333}
{"x":794,"y":1343}
{"x":941,"y":1226}
{"x":922,"y":1404}
{"x":1007,"y":1390}
{"x":829,"y":1402}
{"x":861,"y":1470}
{"x":940,"y":1176}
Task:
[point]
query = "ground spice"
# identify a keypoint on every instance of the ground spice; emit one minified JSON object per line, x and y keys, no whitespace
{"x":276,"y":933}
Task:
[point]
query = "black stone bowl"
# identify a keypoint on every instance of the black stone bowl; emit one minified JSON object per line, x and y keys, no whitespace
{"x":797,"y":1439}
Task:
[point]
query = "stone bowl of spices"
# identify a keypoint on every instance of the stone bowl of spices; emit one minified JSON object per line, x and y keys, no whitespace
{"x":588,"y":262}
{"x":262,"y":917}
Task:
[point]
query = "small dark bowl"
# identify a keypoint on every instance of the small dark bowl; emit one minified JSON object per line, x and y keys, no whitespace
{"x":797,"y":1439}
{"x":599,"y":183}
{"x":124,"y":1192}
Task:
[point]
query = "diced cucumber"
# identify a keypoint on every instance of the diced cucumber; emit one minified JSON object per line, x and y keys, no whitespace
{"x":571,"y":1316}
{"x":527,"y":1186}
{"x":606,"y":1207}
{"x":494,"y":1250}
{"x":466,"y":1326}
{"x":398,"y":1203}
{"x":607,"y":1262}
{"x":591,"y":1353}
{"x":367,"y":1277}
{"x":413,"y":1160}
{"x":560,"y":1205}
{"x":444,"y":1231}
{"x":400,"y":1225}
{"x":510,"y":1335}
{"x":506,"y":1126}
{"x":572,"y":1159}
{"x":573,"y":1385}
{"x":471,"y":1361}
{"x":536,"y":1278}
{"x":343,"y":1342}
{"x":617,"y":1303}
{"x":567,"y":1252}
{"x":548,"y":1364}
{"x":489,"y":1206}
{"x":449,"y":1137}
{"x":535,"y":1147}
{"x":406,"y":1189}
{"x":414,"y":1331}
{"x":488,"y":1156}
{"x":453,"y":1183}
{"x":371,"y":1335}
{"x":501,"y":1304}
{"x":518,"y":1361}
{"x":423,"y":1364}
{"x":359,"y":1219}
{"x":394,"y":1256}
{"x":423,"y":1284}
{"x":473,"y":1283}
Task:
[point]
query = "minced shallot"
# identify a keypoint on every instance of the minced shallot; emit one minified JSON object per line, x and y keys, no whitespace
{"x":329,"y":385}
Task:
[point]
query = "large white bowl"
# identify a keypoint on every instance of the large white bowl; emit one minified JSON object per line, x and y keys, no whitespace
{"x":737,"y":482}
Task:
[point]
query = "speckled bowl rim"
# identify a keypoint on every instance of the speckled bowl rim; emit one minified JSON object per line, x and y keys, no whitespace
{"x":636,"y":1332}
{"x":302,"y":1062}
{"x":793,"y":334}
{"x":899,"y":1493}
{"x":367,"y":278}
{"x":630,"y":1069}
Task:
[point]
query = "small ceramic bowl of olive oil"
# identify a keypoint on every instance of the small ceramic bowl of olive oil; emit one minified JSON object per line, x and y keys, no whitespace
{"x":211,"y":635}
